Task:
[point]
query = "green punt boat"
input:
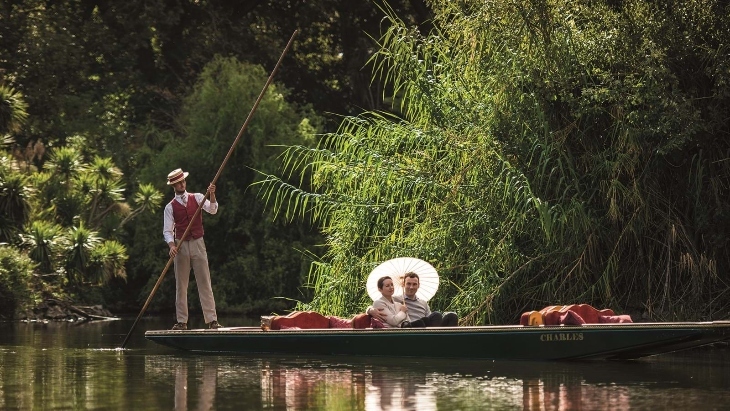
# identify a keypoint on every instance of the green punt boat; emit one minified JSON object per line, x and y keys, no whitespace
{"x":517,"y":342}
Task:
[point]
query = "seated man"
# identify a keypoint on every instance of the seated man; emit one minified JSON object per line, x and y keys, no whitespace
{"x":419,"y":313}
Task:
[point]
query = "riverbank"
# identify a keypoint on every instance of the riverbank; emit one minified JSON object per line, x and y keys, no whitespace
{"x":57,"y":310}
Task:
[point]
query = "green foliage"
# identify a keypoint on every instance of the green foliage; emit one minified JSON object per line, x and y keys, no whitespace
{"x":45,"y":243}
{"x":113,"y":73}
{"x":78,"y":265}
{"x":80,"y":185}
{"x":111,"y":70}
{"x":89,"y":259}
{"x":91,"y":85}
{"x":107,"y":261}
{"x":147,"y":198}
{"x":549,"y":153}
{"x":16,"y":279}
{"x":14,"y":200}
{"x":66,"y":217}
{"x":13,"y":110}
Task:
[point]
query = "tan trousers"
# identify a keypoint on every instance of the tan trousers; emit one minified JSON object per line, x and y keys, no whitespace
{"x":193,"y":253}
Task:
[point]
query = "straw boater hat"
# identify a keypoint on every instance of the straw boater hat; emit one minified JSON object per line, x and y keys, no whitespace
{"x":176,"y":176}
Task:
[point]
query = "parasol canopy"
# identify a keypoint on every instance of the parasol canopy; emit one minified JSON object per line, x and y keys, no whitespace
{"x":396,"y":268}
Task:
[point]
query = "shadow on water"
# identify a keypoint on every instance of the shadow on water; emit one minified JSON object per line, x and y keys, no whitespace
{"x":78,"y":366}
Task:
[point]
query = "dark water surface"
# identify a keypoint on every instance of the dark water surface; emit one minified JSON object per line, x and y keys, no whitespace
{"x":61,"y":366}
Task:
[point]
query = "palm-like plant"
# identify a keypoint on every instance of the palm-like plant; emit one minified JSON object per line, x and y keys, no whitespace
{"x":78,"y":254}
{"x":107,"y":261}
{"x":103,"y":168}
{"x":13,"y":110}
{"x":68,"y":207}
{"x":44,"y":241}
{"x":106,"y":197}
{"x":6,"y":140}
{"x":14,"y":203}
{"x":146,"y":198}
{"x":89,"y":198}
{"x":65,"y":163}
{"x":16,"y":280}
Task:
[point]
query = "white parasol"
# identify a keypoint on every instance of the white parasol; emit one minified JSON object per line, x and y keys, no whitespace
{"x":397,"y":268}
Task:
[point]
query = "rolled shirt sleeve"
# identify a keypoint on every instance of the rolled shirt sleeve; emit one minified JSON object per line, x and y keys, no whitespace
{"x":168,"y":226}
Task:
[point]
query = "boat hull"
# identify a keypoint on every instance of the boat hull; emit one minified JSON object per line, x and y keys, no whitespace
{"x":595,"y":341}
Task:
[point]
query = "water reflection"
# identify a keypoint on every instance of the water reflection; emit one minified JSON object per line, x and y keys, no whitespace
{"x":378,"y":385}
{"x":299,"y":388}
{"x":571,"y":394}
{"x":206,"y":392}
{"x":406,"y":391}
{"x":345,"y":386}
{"x":47,"y":367}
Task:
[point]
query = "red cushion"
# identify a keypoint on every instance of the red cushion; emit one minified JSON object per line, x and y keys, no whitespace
{"x":585,"y":311}
{"x":552,"y":318}
{"x":575,"y":314}
{"x":300,"y":319}
{"x":361,"y":321}
{"x":615,"y":319}
{"x":606,"y":311}
{"x":525,"y":318}
{"x":571,"y":318}
{"x":375,"y":323}
{"x":337,"y":322}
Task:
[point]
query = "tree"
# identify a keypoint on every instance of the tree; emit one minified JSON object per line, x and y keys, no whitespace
{"x":547,"y":153}
{"x":110,"y":70}
{"x":67,"y":217}
{"x":116,"y":73}
{"x":13,"y":110}
{"x":14,"y":206}
{"x":14,"y":200}
{"x":45,"y":243}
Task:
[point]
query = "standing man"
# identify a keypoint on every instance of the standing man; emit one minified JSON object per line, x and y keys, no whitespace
{"x":178,"y":213}
{"x":419,"y":313}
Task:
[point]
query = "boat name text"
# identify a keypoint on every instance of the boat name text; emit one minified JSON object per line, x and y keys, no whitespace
{"x":562,"y":337}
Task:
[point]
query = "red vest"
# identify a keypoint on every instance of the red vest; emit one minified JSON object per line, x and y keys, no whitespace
{"x":182,"y":215}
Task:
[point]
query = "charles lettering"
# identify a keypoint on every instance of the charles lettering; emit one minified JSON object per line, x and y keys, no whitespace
{"x":561,"y":337}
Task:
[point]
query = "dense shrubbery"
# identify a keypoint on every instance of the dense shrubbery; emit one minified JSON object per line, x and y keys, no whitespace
{"x":16,"y":282}
{"x":548,"y":153}
{"x":65,"y":219}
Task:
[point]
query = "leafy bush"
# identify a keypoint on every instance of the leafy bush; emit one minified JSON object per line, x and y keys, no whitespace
{"x":545,"y":153}
{"x":16,"y":281}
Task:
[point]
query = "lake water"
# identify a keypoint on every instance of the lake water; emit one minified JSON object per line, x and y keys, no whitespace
{"x":62,"y":366}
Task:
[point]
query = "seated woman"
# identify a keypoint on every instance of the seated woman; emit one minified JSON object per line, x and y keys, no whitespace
{"x":394,"y":312}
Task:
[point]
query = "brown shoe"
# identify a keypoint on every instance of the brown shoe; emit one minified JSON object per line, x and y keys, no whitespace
{"x":180,"y":327}
{"x":214,"y":325}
